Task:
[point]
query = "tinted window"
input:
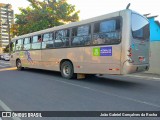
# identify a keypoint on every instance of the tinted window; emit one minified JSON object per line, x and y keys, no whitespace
{"x":47,"y":37}
{"x":62,"y":38}
{"x":140,"y":27}
{"x":47,"y":40}
{"x":107,"y":32}
{"x":108,"y":26}
{"x":81,"y":35}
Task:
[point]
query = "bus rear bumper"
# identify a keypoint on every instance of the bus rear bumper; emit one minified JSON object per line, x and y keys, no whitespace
{"x":130,"y":68}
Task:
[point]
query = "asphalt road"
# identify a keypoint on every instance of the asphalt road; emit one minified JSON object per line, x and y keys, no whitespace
{"x":4,"y":64}
{"x":40,"y":90}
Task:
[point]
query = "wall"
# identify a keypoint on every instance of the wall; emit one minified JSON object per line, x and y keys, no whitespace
{"x":155,"y":57}
{"x":154,"y":30}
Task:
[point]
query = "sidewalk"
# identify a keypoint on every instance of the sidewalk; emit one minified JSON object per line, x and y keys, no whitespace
{"x":148,"y":74}
{"x":145,"y":75}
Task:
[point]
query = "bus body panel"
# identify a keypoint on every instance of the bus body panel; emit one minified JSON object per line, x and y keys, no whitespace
{"x":110,"y":63}
{"x":32,"y":59}
{"x":52,"y":57}
{"x":125,"y":38}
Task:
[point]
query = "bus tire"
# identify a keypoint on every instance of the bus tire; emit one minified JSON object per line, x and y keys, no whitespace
{"x":67,"y":70}
{"x":19,"y":65}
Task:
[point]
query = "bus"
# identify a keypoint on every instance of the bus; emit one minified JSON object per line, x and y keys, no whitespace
{"x":115,"y":43}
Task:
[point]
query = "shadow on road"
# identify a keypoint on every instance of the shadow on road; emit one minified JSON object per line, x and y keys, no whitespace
{"x":115,"y":82}
{"x":112,"y":81}
{"x":44,"y":72}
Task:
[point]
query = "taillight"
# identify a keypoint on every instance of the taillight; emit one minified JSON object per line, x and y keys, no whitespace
{"x":130,"y":55}
{"x":141,"y":59}
{"x":130,"y":52}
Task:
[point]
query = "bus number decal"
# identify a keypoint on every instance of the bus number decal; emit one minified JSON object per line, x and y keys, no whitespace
{"x":102,"y":51}
{"x":96,"y":51}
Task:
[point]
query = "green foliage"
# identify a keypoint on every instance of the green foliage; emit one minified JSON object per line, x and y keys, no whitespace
{"x":6,"y":49}
{"x":42,"y":15}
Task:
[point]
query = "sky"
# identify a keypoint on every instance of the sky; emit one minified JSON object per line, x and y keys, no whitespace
{"x":92,"y":8}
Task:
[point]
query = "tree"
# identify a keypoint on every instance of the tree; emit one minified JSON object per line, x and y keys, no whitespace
{"x":42,"y":15}
{"x":6,"y":49}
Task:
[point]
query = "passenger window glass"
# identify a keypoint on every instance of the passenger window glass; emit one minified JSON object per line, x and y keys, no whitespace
{"x":62,"y":38}
{"x":19,"y":44}
{"x":81,"y":36}
{"x":36,"y":45}
{"x":107,"y":32}
{"x":26,"y":40}
{"x":47,"y":40}
{"x":36,"y":39}
{"x":108,"y":26}
{"x":83,"y":30}
{"x":36,"y":42}
{"x":47,"y":37}
{"x":27,"y":43}
{"x":47,"y":44}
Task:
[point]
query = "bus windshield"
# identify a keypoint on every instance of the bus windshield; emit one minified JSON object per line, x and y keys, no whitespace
{"x":140,"y":27}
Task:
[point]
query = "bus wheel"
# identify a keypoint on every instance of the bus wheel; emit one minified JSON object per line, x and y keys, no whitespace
{"x":67,"y":70}
{"x":19,"y":65}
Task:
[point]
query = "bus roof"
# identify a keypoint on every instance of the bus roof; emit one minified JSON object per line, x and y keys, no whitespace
{"x":72,"y":24}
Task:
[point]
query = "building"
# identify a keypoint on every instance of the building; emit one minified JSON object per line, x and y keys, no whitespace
{"x":154,"y":45}
{"x":154,"y":29}
{"x":6,"y":19}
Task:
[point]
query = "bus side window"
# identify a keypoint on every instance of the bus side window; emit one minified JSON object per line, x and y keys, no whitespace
{"x":36,"y":42}
{"x":27,"y":43}
{"x":62,"y":38}
{"x":19,"y":44}
{"x":47,"y":40}
{"x":81,"y":35}
{"x":106,"y":32}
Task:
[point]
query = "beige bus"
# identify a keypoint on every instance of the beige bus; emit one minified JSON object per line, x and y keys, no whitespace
{"x":115,"y":43}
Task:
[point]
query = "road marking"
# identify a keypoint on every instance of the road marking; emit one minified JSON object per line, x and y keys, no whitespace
{"x":112,"y":94}
{"x":0,"y":118}
{"x":6,"y":108}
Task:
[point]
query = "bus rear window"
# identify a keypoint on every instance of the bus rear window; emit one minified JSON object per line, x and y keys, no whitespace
{"x":140,"y":27}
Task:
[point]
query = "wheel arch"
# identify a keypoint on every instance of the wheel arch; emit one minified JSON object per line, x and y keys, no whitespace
{"x":17,"y":60}
{"x":63,"y":60}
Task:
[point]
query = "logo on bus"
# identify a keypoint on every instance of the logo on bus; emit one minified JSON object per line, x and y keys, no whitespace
{"x":102,"y":51}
